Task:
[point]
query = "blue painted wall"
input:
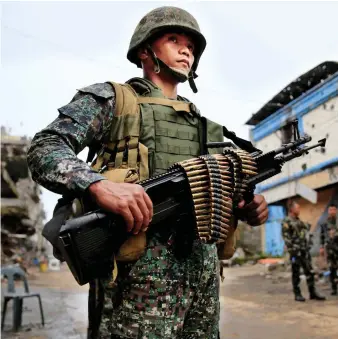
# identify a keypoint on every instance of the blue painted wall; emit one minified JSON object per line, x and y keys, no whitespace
{"x":297,"y":175}
{"x":297,"y":108}
{"x":274,"y":243}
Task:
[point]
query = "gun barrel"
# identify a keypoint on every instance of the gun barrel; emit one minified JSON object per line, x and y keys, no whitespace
{"x":298,"y":152}
{"x":298,"y":142}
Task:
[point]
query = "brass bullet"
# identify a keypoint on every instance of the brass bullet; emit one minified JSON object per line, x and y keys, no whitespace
{"x":199,"y":189}
{"x":197,"y":184}
{"x":200,"y":195}
{"x":249,"y":172}
{"x":202,"y":217}
{"x":196,"y":172}
{"x":202,"y":206}
{"x":201,"y":200}
{"x":203,"y":229}
{"x":203,"y":223}
{"x":201,"y":177}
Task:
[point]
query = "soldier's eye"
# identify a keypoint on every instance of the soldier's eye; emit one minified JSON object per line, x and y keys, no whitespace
{"x":172,"y":38}
{"x":191,"y":47}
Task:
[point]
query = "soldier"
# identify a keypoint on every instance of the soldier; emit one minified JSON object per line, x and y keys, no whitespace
{"x":295,"y":236}
{"x":158,"y":295}
{"x":329,"y":241}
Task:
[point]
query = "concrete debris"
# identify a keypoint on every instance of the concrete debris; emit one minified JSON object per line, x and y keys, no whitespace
{"x":22,"y":211}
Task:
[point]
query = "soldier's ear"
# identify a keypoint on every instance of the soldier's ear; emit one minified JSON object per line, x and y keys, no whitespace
{"x":142,"y":54}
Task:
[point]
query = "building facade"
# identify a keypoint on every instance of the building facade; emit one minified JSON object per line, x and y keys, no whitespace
{"x":312,"y":179}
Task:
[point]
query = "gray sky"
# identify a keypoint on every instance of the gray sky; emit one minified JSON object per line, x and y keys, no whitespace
{"x":48,"y":50}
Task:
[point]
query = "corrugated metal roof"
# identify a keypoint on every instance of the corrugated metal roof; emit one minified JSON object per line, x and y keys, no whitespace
{"x":295,"y":89}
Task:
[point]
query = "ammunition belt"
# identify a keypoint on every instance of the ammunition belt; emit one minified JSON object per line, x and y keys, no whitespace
{"x":216,"y":183}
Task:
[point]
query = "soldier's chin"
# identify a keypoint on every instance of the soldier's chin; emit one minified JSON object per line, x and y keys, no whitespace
{"x":183,"y":71}
{"x":180,"y":74}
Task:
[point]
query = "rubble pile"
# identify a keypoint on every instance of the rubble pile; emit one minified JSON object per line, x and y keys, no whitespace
{"x":21,"y":209}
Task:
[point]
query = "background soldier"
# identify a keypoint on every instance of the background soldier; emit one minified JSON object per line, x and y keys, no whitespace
{"x":295,"y":236}
{"x":157,"y":295}
{"x":329,"y":241}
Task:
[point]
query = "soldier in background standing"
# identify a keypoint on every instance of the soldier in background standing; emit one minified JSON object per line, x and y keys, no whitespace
{"x":329,"y":241}
{"x":295,"y":236}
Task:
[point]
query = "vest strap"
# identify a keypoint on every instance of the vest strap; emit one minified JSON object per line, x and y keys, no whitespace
{"x":175,"y":104}
{"x":120,"y":151}
{"x":132,"y":152}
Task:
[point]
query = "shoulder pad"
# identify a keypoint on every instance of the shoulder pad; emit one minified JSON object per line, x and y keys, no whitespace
{"x":101,"y":90}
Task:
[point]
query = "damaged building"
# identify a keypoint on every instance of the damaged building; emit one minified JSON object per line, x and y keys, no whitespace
{"x":22,"y":211}
{"x":312,"y":179}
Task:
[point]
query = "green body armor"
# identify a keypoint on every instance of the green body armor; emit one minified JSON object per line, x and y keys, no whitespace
{"x":147,"y":126}
{"x":149,"y":134}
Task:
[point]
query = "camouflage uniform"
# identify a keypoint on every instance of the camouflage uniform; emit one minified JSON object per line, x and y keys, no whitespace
{"x":159,"y":296}
{"x":331,"y":245}
{"x":294,"y":233}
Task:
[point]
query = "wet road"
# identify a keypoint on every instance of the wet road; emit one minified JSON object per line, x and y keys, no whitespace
{"x":252,"y":307}
{"x":64,"y":304}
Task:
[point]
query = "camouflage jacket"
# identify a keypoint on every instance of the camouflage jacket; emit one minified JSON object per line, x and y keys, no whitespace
{"x":294,"y":232}
{"x":324,"y":229}
{"x":85,"y":121}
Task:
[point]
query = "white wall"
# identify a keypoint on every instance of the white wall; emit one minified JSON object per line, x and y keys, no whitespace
{"x":319,"y":123}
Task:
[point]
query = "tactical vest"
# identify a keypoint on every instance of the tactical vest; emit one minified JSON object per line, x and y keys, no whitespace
{"x":150,"y":132}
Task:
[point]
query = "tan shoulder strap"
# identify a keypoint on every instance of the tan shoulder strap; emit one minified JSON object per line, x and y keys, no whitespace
{"x":125,"y":99}
{"x":125,"y":133}
{"x":175,"y":104}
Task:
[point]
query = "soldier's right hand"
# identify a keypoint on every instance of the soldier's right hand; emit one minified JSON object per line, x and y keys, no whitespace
{"x":128,"y":200}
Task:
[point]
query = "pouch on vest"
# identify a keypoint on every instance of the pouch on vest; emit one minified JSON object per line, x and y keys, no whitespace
{"x":125,"y":159}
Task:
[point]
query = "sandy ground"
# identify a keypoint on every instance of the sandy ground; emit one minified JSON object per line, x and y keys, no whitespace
{"x":252,"y":307}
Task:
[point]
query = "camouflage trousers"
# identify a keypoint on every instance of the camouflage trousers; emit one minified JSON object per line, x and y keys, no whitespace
{"x":302,"y":261}
{"x":161,"y":296}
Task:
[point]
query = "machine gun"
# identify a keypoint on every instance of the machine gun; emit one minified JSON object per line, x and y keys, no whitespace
{"x":206,"y":189}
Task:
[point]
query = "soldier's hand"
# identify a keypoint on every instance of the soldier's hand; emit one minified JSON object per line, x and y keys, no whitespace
{"x":256,"y":212}
{"x":128,"y":200}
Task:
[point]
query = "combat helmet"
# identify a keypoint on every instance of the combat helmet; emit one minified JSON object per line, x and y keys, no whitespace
{"x":164,"y":19}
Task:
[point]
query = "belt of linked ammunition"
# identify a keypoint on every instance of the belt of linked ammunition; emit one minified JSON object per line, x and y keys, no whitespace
{"x":216,"y":181}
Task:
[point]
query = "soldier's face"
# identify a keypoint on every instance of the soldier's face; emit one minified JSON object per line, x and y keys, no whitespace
{"x":332,"y":211}
{"x":176,"y":50}
{"x":295,"y":209}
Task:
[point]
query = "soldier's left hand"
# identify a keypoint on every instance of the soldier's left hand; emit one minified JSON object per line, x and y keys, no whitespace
{"x":256,"y":212}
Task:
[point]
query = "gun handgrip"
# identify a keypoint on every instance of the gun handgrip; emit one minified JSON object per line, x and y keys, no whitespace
{"x":248,"y":196}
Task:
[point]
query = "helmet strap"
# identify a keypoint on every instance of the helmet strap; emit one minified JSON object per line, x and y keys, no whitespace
{"x":192,"y":82}
{"x":181,"y":76}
